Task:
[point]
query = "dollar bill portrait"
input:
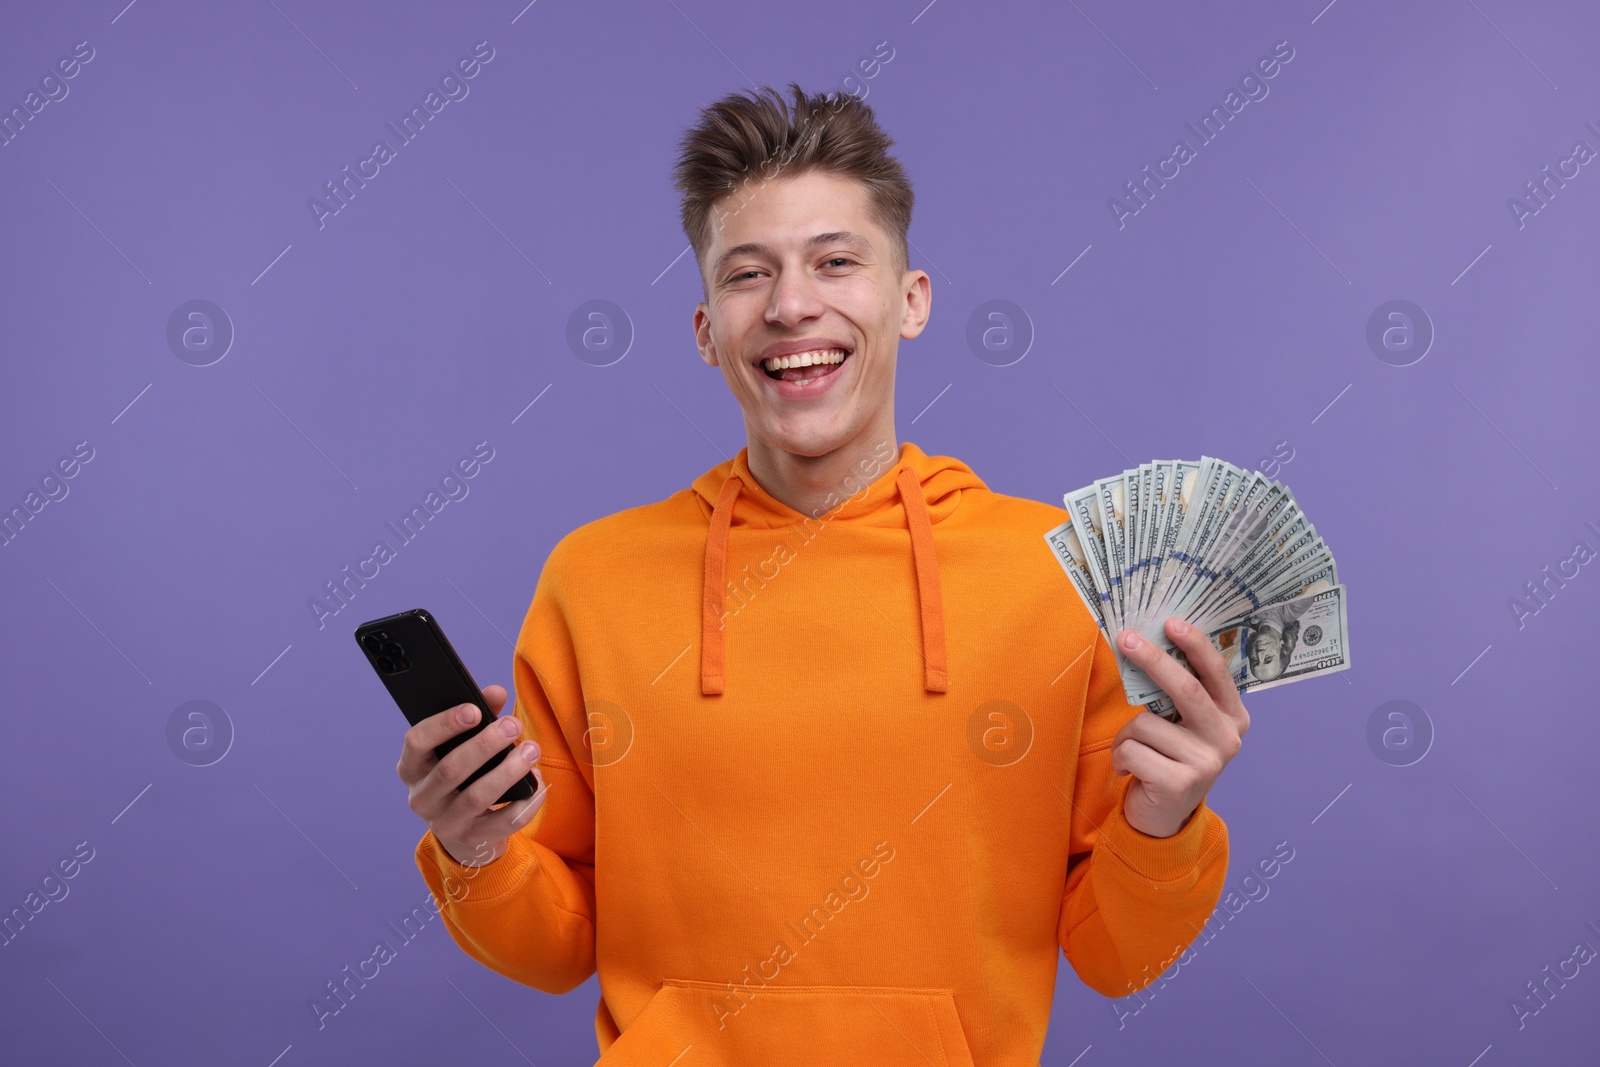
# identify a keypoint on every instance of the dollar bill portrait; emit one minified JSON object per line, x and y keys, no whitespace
{"x":1260,"y":647}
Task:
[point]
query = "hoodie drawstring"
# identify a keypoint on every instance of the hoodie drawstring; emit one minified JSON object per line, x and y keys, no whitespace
{"x":935,"y":671}
{"x":715,"y":581}
{"x":935,"y":674}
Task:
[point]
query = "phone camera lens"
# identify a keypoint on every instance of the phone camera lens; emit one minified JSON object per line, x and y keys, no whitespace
{"x":386,"y":652}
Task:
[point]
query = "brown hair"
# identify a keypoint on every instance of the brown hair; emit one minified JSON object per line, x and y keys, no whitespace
{"x":755,"y":138}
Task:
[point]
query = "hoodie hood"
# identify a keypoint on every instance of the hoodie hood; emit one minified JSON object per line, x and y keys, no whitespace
{"x":917,"y":492}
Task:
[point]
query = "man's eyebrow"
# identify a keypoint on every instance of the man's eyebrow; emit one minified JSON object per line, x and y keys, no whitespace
{"x":757,"y":248}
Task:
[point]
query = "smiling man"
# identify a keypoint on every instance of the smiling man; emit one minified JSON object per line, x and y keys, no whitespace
{"x":835,"y":765}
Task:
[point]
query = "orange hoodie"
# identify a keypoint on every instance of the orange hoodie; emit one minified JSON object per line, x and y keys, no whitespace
{"x":849,"y":810}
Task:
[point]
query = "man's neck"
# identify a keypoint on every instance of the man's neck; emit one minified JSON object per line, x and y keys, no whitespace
{"x":814,"y":485}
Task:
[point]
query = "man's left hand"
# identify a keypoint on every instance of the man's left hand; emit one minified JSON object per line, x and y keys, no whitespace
{"x":1175,"y":764}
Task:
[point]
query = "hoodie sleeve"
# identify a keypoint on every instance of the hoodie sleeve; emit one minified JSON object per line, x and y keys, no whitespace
{"x":530,"y":914}
{"x":1133,"y":902}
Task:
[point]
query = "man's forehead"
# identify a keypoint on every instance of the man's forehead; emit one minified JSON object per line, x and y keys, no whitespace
{"x":812,"y":208}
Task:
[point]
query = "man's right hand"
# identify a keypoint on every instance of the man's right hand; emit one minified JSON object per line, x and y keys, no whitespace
{"x":470,"y":829}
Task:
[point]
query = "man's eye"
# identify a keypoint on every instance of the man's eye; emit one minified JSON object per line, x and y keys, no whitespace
{"x":840,"y":259}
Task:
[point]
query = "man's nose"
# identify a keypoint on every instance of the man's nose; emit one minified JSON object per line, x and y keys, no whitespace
{"x":794,"y":298}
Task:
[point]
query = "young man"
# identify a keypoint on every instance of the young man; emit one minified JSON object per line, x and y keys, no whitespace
{"x":835,"y":764}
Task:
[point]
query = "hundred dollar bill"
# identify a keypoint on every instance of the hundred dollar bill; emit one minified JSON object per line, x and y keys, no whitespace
{"x":1284,"y":642}
{"x":1139,"y":558}
{"x":1133,"y":496}
{"x":1174,"y":517}
{"x":1068,"y":551}
{"x":1088,"y":522}
{"x":1084,"y":508}
{"x":1112,"y":496}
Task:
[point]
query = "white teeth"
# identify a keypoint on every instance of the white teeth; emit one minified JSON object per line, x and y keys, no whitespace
{"x":805,"y":359}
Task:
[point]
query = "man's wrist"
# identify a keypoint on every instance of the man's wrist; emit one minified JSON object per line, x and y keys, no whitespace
{"x":1159,"y":832}
{"x":475,"y":857}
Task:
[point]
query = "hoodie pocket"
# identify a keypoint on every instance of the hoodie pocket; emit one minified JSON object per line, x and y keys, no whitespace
{"x":701,"y":1024}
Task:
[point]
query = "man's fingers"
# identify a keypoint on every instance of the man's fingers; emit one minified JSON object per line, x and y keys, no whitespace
{"x":416,"y":753}
{"x":1167,"y":738}
{"x":416,"y":756}
{"x":505,"y":821}
{"x":1132,"y":756}
{"x":1187,"y":691}
{"x":1204,"y":658}
{"x":459,"y":763}
{"x":486,"y":791}
{"x":490,"y":828}
{"x":1213,"y":671}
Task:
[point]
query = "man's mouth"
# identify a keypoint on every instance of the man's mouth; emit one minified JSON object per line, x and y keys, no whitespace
{"x":802,"y":368}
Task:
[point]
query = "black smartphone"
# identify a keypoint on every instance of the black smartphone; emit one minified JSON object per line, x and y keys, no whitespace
{"x":424,"y":675}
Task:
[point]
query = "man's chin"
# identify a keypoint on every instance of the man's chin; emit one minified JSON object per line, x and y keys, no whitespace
{"x":806,"y":440}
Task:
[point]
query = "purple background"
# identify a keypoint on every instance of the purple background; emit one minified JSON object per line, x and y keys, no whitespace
{"x":1228,"y":316}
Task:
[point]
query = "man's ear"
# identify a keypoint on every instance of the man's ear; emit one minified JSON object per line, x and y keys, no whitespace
{"x":918,"y":304}
{"x":702,"y":336}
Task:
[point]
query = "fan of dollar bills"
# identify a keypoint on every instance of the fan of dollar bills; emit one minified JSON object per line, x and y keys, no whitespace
{"x":1224,"y":548}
